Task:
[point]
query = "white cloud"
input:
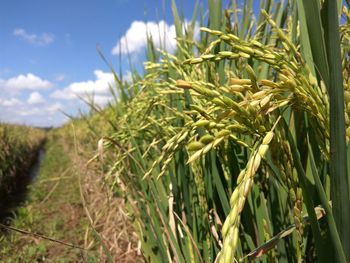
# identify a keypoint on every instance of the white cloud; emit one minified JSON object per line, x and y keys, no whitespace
{"x":29,"y":81}
{"x":28,"y":111}
{"x":35,"y":98}
{"x":39,"y":111}
{"x":47,"y":113}
{"x":135,"y":39}
{"x":97,"y":89}
{"x":64,"y":94}
{"x":38,"y":40}
{"x":100,"y":85}
{"x":54,"y":107}
{"x":10,"y":102}
{"x":102,"y":100}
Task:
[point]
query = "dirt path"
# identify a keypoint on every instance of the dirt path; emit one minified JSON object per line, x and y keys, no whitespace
{"x":53,"y":210}
{"x":69,"y":203}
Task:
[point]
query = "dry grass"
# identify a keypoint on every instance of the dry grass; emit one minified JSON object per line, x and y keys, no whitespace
{"x":110,"y":227}
{"x":108,"y":217}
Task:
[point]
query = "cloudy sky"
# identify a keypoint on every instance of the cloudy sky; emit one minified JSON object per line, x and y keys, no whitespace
{"x":48,"y":51}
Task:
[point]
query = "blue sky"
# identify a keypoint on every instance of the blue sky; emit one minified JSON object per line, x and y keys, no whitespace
{"x":48,"y":52}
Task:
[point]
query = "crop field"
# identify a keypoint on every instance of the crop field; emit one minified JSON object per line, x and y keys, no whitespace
{"x":233,"y":148}
{"x":19,"y":149}
{"x":17,"y":142}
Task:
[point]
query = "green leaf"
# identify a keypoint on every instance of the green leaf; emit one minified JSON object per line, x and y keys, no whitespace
{"x":329,"y":215}
{"x":309,"y":202}
{"x":338,"y":160}
{"x":312,"y":8}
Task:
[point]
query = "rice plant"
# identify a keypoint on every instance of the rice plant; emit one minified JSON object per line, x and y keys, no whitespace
{"x":19,"y":150}
{"x":234,"y":148}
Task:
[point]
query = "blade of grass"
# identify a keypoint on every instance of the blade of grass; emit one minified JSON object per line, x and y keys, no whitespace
{"x":309,"y":203}
{"x":271,"y":243}
{"x":215,"y":14}
{"x":305,"y":46}
{"x":329,"y":215}
{"x":246,"y":18}
{"x":338,"y":160}
{"x":311,"y":8}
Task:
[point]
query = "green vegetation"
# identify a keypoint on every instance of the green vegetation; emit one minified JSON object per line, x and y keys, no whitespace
{"x":46,"y":204}
{"x":237,"y":152}
{"x":233,"y":149}
{"x":66,"y":217}
{"x":19,"y":150}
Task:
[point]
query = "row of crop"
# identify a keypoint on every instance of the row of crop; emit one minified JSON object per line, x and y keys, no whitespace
{"x":19,"y":150}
